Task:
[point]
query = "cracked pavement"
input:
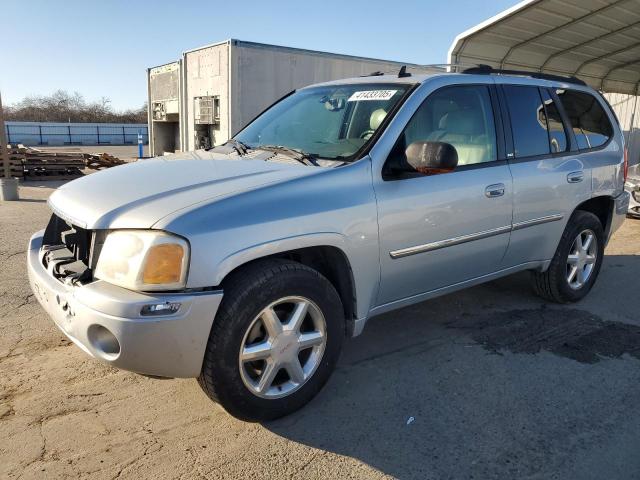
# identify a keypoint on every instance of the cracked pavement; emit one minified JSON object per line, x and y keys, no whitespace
{"x":500,"y":385}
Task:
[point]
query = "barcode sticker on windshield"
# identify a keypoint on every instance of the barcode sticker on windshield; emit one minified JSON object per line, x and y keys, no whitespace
{"x":372,"y":95}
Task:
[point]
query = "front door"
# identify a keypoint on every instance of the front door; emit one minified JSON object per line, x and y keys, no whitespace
{"x":439,"y":230}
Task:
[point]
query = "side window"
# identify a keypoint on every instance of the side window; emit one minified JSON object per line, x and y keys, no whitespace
{"x":460,"y":115}
{"x":589,"y":121}
{"x":528,"y":120}
{"x":557,"y":135}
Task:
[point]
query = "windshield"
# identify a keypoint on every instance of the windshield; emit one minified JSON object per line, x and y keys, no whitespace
{"x":332,"y":122}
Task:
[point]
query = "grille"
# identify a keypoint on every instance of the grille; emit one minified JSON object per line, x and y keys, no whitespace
{"x":67,"y":251}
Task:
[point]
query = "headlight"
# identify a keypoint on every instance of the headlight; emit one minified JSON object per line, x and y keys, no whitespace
{"x":144,"y":260}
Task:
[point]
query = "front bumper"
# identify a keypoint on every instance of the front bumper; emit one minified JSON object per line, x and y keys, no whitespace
{"x":105,"y":321}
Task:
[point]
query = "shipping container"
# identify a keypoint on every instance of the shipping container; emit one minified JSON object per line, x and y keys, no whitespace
{"x":213,"y":91}
{"x":164,"y":83}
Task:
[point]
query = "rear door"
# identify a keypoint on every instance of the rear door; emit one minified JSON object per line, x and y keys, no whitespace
{"x":550,"y":177}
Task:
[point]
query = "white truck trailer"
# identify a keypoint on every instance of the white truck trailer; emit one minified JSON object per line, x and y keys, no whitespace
{"x":205,"y":97}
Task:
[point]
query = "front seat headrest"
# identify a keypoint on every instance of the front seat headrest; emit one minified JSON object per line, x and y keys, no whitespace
{"x":464,"y":122}
{"x":377,"y":116}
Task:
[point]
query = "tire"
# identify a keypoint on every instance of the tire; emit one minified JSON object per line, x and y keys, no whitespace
{"x":554,"y":284}
{"x":243,"y":320}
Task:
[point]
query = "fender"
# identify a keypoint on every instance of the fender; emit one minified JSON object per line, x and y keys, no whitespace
{"x":365,"y":286}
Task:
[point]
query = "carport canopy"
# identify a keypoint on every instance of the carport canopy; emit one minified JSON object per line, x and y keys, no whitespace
{"x":597,"y":41}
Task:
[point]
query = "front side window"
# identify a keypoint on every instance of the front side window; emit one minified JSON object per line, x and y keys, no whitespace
{"x":461,"y":116}
{"x":528,"y":121}
{"x":588,"y":119}
{"x":332,"y":122}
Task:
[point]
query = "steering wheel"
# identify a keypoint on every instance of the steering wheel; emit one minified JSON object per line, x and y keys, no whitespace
{"x":367,"y":133}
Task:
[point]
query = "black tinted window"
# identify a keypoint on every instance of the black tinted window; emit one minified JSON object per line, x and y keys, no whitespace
{"x":557,"y":135}
{"x":528,"y":120}
{"x":588,"y":119}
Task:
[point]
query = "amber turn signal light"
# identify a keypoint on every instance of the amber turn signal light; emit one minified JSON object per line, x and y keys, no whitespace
{"x":163,"y":264}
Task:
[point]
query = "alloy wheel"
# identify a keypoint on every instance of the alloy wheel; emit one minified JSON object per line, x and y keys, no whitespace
{"x":282,"y":347}
{"x":582,"y":259}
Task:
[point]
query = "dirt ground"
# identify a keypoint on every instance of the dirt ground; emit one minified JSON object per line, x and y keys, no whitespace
{"x":487,"y":383}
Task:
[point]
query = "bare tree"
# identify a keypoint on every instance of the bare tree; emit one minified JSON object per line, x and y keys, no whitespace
{"x":62,"y":106}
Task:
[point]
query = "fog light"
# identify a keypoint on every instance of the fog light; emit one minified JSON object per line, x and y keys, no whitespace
{"x":167,"y":308}
{"x":104,"y":342}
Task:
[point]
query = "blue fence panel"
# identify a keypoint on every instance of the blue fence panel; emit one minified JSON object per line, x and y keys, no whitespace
{"x":33,"y":133}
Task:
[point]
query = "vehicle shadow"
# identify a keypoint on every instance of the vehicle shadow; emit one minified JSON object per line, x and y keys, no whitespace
{"x":33,"y":200}
{"x":490,"y":382}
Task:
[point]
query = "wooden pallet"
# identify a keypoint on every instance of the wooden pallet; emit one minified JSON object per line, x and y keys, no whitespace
{"x":15,"y":164}
{"x":51,"y":178}
{"x":35,"y":163}
{"x":102,"y":161}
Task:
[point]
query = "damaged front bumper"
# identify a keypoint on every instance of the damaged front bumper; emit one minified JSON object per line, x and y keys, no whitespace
{"x":113,"y":324}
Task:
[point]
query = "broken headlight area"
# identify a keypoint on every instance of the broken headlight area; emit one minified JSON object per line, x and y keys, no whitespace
{"x":69,"y":252}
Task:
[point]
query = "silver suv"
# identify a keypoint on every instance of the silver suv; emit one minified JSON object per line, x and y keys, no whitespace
{"x":247,"y":265}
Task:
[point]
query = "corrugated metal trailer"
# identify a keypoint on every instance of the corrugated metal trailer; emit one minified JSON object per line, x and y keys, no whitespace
{"x":223,"y":86}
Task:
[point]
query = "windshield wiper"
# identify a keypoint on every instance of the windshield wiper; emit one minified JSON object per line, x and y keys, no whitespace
{"x":294,"y":153}
{"x":238,"y":146}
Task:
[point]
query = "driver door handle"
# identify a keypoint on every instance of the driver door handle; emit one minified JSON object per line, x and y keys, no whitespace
{"x":495,"y":190}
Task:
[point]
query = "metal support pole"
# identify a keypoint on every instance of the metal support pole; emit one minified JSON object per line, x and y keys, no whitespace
{"x":124,"y":138}
{"x":140,"y":148}
{"x":630,"y":135}
{"x":4,"y":154}
{"x":40,"y":132}
{"x":69,"y":128}
{"x":98,"y":133}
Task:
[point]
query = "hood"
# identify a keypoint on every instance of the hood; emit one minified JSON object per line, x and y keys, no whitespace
{"x":139,"y":194}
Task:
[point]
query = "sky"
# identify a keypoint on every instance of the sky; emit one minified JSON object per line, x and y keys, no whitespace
{"x":103,"y":48}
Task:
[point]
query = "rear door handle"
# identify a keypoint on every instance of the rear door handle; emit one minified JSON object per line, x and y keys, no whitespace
{"x":495,"y":190}
{"x":575,"y":177}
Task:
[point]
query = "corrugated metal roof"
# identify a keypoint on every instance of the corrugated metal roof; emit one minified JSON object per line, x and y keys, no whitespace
{"x":595,"y":40}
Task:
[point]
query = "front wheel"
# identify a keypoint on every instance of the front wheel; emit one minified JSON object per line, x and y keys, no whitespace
{"x":275,"y":340}
{"x":576,"y":263}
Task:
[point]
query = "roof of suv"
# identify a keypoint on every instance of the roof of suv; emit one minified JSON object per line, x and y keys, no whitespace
{"x":477,"y":77}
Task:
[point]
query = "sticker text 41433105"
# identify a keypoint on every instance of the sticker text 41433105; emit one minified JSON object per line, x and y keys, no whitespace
{"x":372,"y":95}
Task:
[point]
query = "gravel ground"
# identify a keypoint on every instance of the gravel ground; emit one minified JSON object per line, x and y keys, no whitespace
{"x":486,"y":383}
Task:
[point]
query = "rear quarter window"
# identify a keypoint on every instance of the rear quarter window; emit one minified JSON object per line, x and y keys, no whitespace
{"x":589,"y":122}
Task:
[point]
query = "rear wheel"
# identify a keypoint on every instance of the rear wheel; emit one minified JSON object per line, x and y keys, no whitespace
{"x":275,"y":340}
{"x":576,"y":263}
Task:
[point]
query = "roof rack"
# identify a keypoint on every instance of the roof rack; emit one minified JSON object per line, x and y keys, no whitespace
{"x":489,"y":70}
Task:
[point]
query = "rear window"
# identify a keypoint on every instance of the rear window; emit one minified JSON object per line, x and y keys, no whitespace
{"x":528,"y":121}
{"x":588,"y":119}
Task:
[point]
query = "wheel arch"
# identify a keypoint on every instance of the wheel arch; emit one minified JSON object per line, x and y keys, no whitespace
{"x":602,"y":207}
{"x":327,"y":258}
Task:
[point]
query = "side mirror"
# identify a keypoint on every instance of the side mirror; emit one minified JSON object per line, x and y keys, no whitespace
{"x":431,"y":158}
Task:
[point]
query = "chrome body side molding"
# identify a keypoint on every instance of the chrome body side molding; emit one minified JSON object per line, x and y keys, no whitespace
{"x":537,"y":221}
{"x":428,"y":247}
